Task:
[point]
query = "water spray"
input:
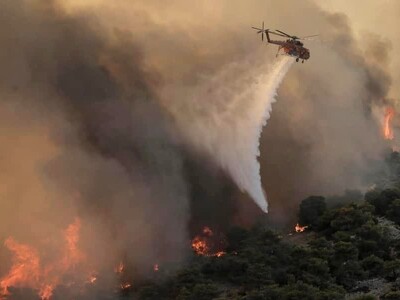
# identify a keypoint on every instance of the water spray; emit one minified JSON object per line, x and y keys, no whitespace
{"x":226,"y":116}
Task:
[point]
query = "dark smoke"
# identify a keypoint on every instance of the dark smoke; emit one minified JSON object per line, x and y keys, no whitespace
{"x":116,"y":157}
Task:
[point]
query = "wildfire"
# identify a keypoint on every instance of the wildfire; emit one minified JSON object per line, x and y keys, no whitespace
{"x":299,"y":228}
{"x":32,"y":269}
{"x":220,"y":253}
{"x":387,"y":124}
{"x":25,"y":268}
{"x":72,"y":255}
{"x":120,"y":268}
{"x":92,"y":279}
{"x":199,"y":246}
{"x":204,"y":245}
{"x":28,"y":271}
{"x":46,"y":292}
{"x":125,"y":286}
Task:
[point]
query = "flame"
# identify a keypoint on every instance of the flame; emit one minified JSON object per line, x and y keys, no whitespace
{"x":299,"y":228}
{"x":25,"y":268}
{"x":28,"y":271}
{"x":199,"y":246}
{"x":46,"y":292}
{"x":120,"y":268}
{"x":126,"y":285}
{"x":203,"y":244}
{"x":220,"y":253}
{"x":387,"y":124}
{"x":92,"y":279}
{"x":73,"y":255}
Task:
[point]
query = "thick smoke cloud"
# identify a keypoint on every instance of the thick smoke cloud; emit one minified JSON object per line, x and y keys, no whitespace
{"x":85,"y":136}
{"x":96,"y":95}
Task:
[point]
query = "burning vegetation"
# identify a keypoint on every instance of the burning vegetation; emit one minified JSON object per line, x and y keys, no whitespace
{"x":208,"y":244}
{"x":387,"y":124}
{"x":32,"y":269}
{"x":29,"y":270}
{"x":299,"y":228}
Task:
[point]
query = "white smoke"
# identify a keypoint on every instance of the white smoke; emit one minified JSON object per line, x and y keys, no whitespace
{"x":223,"y":117}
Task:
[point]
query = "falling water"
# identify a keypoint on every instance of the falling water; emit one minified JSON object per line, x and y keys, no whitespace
{"x":224,"y":117}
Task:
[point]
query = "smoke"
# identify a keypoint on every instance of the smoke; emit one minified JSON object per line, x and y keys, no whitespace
{"x":323,"y":121}
{"x":84,"y":136}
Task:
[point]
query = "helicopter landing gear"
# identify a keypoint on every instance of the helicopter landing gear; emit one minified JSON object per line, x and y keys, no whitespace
{"x":297,"y":59}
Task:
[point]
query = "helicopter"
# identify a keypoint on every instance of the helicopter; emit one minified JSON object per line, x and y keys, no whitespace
{"x":292,"y":46}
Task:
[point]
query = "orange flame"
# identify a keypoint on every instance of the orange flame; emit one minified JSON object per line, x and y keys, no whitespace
{"x":46,"y":292}
{"x":199,"y":246}
{"x":220,"y":253}
{"x":126,"y":285}
{"x":120,"y":268}
{"x":26,"y":267}
{"x":202,"y":244}
{"x":92,"y":279}
{"x":387,"y":128}
{"x":72,"y":255}
{"x":27,"y":270}
{"x":299,"y":228}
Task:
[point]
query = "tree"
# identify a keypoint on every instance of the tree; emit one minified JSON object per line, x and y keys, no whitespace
{"x":393,"y":295}
{"x":366,"y":297}
{"x":348,"y":273}
{"x":373,"y":265}
{"x":382,"y":200}
{"x":269,"y":292}
{"x":394,"y":211}
{"x":344,"y":251}
{"x":311,"y":209}
{"x":236,"y":236}
{"x":392,"y":269}
{"x":204,"y":292}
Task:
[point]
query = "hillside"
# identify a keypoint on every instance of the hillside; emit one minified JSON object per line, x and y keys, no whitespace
{"x":351,"y":251}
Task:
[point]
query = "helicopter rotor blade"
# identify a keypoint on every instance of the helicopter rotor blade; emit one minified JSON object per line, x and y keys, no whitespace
{"x":278,"y":34}
{"x":284,"y":33}
{"x":309,"y":37}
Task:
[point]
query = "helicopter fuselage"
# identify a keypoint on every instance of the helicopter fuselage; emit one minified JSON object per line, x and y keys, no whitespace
{"x":292,"y":48}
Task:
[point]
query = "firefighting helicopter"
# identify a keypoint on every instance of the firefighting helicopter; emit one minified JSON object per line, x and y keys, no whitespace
{"x":292,"y":46}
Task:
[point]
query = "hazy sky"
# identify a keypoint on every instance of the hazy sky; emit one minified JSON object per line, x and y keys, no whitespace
{"x":377,"y":17}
